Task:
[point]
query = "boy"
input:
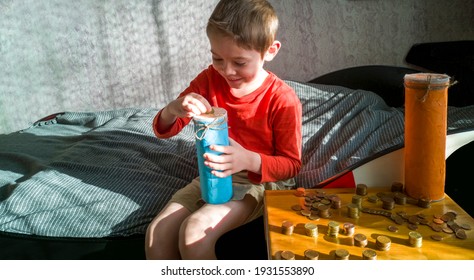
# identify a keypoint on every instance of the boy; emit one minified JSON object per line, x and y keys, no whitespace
{"x":264,"y":118}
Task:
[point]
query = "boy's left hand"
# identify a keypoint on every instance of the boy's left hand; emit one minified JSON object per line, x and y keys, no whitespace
{"x":234,"y":158}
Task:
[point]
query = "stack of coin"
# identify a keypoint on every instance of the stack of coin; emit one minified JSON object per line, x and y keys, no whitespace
{"x":333,"y":229}
{"x":349,"y":229}
{"x":357,"y":200}
{"x":383,"y":243}
{"x":300,"y":192}
{"x":308,"y":202}
{"x":341,"y":254}
{"x":361,"y":189}
{"x":373,"y":198}
{"x":324,"y":211}
{"x":305,"y":212}
{"x":314,"y":216}
{"x":353,"y":211}
{"x":311,"y":229}
{"x":287,"y":255}
{"x":311,"y":254}
{"x":397,"y":187}
{"x":388,"y":203}
{"x":424,"y":203}
{"x":369,"y":254}
{"x":325,"y":201}
{"x":287,"y":227}
{"x":360,"y":240}
{"x":400,"y":198}
{"x":336,"y":202}
{"x":415,"y":239}
{"x":449,"y":216}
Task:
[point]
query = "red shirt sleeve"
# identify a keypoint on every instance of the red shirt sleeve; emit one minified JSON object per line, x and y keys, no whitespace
{"x":199,"y":85}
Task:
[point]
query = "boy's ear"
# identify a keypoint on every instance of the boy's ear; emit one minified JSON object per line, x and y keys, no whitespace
{"x":272,"y":51}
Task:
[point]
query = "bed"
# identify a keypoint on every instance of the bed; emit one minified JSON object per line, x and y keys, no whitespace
{"x":85,"y":185}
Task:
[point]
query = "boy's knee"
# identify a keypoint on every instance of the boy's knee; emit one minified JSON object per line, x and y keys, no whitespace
{"x":193,"y":229}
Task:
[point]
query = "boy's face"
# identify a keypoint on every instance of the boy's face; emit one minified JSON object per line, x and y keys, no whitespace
{"x":241,"y":68}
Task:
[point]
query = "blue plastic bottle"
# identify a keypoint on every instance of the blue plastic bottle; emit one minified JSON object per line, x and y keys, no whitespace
{"x":211,"y":128}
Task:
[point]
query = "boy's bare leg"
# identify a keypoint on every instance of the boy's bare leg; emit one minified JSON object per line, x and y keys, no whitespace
{"x":161,"y":240}
{"x":201,"y":230}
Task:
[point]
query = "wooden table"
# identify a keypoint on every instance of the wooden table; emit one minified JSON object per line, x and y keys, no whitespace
{"x":280,"y":205}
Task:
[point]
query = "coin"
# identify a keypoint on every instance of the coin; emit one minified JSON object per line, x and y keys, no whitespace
{"x":314,"y":217}
{"x":383,"y":243}
{"x":400,"y":198}
{"x":333,"y":229}
{"x":447,"y":230}
{"x":403,"y":214}
{"x":424,"y":203}
{"x":415,"y":239}
{"x":311,"y":254}
{"x":360,"y":240}
{"x":361,"y":189}
{"x":296,"y":207}
{"x":369,"y":254}
{"x":412,"y":226}
{"x":461,"y":234}
{"x":392,"y":228}
{"x":348,"y":229}
{"x":424,"y":221}
{"x":373,"y":198}
{"x":383,"y":239}
{"x":466,"y":226}
{"x":414,"y":220}
{"x":311,"y":229}
{"x":436,"y":227}
{"x":287,"y":227}
{"x":341,"y":254}
{"x":397,"y":219}
{"x":437,"y":216}
{"x":447,"y":217}
{"x":287,"y":255}
{"x":421,"y":216}
{"x":437,"y":237}
{"x":388,"y":203}
{"x":305,"y":212}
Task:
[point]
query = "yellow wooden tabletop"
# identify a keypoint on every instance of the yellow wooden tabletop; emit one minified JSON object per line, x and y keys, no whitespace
{"x":280,"y":207}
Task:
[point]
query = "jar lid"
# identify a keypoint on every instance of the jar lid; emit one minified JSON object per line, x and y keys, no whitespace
{"x":216,"y":112}
{"x":427,"y":78}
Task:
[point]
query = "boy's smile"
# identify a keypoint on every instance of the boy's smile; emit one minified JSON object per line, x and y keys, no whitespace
{"x":241,"y":68}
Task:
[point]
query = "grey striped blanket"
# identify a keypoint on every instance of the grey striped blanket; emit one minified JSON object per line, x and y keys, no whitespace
{"x":105,"y":174}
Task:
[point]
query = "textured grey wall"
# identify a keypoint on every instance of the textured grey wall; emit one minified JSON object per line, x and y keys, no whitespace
{"x":322,"y":36}
{"x":87,"y":55}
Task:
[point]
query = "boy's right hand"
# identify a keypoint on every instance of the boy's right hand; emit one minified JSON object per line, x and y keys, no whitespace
{"x":189,"y":105}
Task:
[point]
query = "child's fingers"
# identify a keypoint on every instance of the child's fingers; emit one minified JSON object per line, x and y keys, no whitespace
{"x":198,"y":103}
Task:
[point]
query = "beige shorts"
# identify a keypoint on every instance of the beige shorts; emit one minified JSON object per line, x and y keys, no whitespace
{"x":190,"y":195}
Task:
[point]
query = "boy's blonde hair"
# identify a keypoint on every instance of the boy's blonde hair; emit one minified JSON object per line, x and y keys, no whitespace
{"x":251,"y":23}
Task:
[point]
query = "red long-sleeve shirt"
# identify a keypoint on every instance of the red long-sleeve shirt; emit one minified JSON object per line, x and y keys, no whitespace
{"x":266,"y":121}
